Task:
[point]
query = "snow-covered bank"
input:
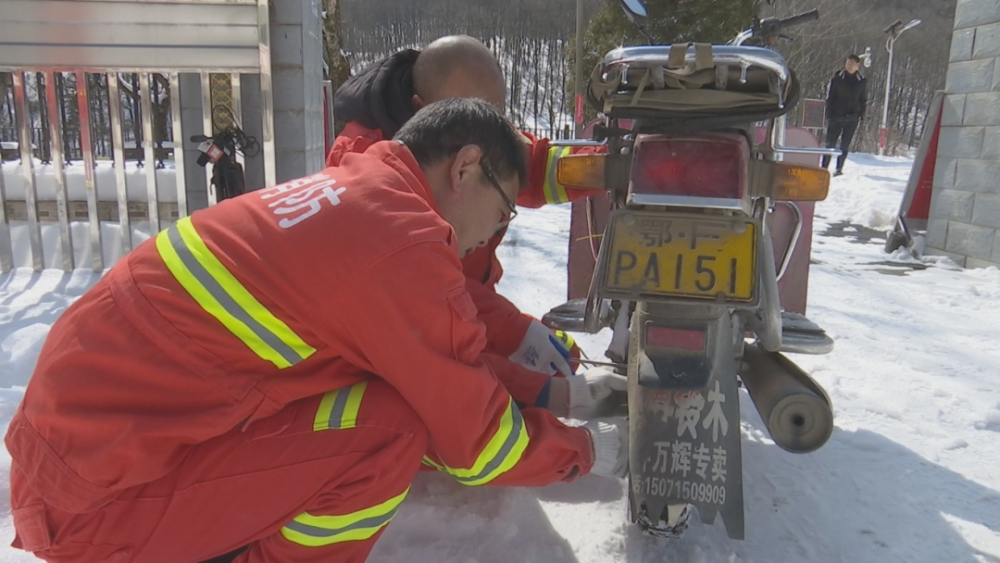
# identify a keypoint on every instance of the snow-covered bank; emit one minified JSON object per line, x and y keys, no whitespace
{"x":869,"y":192}
{"x":105,"y":181}
{"x":83,"y":248}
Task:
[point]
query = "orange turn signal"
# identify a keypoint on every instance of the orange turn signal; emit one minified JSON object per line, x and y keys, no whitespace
{"x":581,"y":171}
{"x":800,"y":183}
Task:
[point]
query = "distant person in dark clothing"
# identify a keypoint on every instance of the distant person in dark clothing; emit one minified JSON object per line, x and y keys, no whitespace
{"x":845,"y":108}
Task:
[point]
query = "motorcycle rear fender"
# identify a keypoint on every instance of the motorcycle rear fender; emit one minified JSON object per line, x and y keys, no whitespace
{"x":684,"y":416}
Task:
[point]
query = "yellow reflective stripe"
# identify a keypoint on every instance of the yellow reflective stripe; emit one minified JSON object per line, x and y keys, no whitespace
{"x":338,"y":410}
{"x":317,"y":531}
{"x":322,"y":420}
{"x":221,"y":295}
{"x":502,"y":452}
{"x":566,"y":339}
{"x":554,"y":191}
{"x":431,"y":463}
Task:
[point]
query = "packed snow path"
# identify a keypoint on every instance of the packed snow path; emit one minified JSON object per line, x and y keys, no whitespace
{"x":910,"y":474}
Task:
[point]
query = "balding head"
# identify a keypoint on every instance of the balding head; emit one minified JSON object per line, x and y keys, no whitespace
{"x":457,"y":66}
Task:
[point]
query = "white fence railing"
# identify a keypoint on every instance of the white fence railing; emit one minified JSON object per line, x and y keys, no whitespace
{"x":159,"y":44}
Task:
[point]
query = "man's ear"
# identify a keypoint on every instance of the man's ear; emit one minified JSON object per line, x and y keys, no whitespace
{"x":464,"y":165}
{"x":416,"y":102}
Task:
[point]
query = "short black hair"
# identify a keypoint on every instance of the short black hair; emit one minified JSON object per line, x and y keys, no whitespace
{"x":853,"y":57}
{"x":439,"y":130}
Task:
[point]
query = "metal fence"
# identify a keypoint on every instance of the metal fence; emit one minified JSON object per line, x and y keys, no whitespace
{"x":67,"y":113}
{"x":554,"y":133}
{"x":103,"y":83}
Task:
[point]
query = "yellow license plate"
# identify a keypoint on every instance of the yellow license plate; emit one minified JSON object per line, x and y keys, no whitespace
{"x":687,"y":256}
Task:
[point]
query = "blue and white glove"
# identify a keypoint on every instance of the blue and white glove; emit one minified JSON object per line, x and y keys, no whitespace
{"x":542,"y":351}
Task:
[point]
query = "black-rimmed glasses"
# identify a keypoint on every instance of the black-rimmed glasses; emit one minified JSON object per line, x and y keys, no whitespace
{"x":493,"y":181}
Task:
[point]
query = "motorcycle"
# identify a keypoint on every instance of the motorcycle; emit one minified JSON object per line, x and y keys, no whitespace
{"x":686,"y":274}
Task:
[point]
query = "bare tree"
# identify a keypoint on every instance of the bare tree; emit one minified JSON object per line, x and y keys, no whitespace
{"x":339,"y":69}
{"x":533,"y":40}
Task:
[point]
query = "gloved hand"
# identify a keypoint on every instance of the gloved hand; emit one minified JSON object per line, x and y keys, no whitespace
{"x":610,"y":439}
{"x":542,"y":351}
{"x":594,"y":394}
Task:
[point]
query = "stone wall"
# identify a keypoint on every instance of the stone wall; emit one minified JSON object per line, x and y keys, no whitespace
{"x":965,"y":209}
{"x":297,"y":65}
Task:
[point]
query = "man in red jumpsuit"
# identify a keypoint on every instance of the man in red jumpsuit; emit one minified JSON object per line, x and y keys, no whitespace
{"x":266,"y":376}
{"x":375,"y":103}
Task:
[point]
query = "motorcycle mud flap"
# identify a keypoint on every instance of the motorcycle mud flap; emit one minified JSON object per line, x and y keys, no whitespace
{"x":684,"y":440}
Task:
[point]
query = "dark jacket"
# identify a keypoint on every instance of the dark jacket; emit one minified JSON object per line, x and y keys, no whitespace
{"x":379,"y":97}
{"x":847,"y":96}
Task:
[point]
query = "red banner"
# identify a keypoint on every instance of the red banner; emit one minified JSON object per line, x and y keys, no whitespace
{"x":920,"y":206}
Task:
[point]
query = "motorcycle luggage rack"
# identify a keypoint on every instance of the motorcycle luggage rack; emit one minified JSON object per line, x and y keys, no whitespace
{"x":722,"y":55}
{"x":693,"y":80}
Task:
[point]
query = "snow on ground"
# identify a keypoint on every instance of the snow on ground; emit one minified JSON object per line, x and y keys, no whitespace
{"x":910,"y":473}
{"x":870,"y":191}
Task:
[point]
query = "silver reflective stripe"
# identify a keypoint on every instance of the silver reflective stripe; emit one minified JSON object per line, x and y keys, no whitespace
{"x":225,"y":300}
{"x":317,"y":532}
{"x":508,"y":445}
{"x":337,"y":412}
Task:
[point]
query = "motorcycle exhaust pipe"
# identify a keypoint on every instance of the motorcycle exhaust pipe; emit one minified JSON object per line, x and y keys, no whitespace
{"x":795,"y":409}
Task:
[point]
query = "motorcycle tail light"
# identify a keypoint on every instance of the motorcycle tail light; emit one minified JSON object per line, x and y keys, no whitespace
{"x":708,"y":166}
{"x":677,"y":338}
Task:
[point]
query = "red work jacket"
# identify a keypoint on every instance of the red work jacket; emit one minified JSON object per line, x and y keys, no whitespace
{"x":264,"y":299}
{"x":505,"y":324}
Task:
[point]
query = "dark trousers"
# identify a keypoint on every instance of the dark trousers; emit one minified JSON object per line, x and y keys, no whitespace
{"x":843,"y":129}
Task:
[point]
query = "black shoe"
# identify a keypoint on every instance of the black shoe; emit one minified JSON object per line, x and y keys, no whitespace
{"x":838,"y":173}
